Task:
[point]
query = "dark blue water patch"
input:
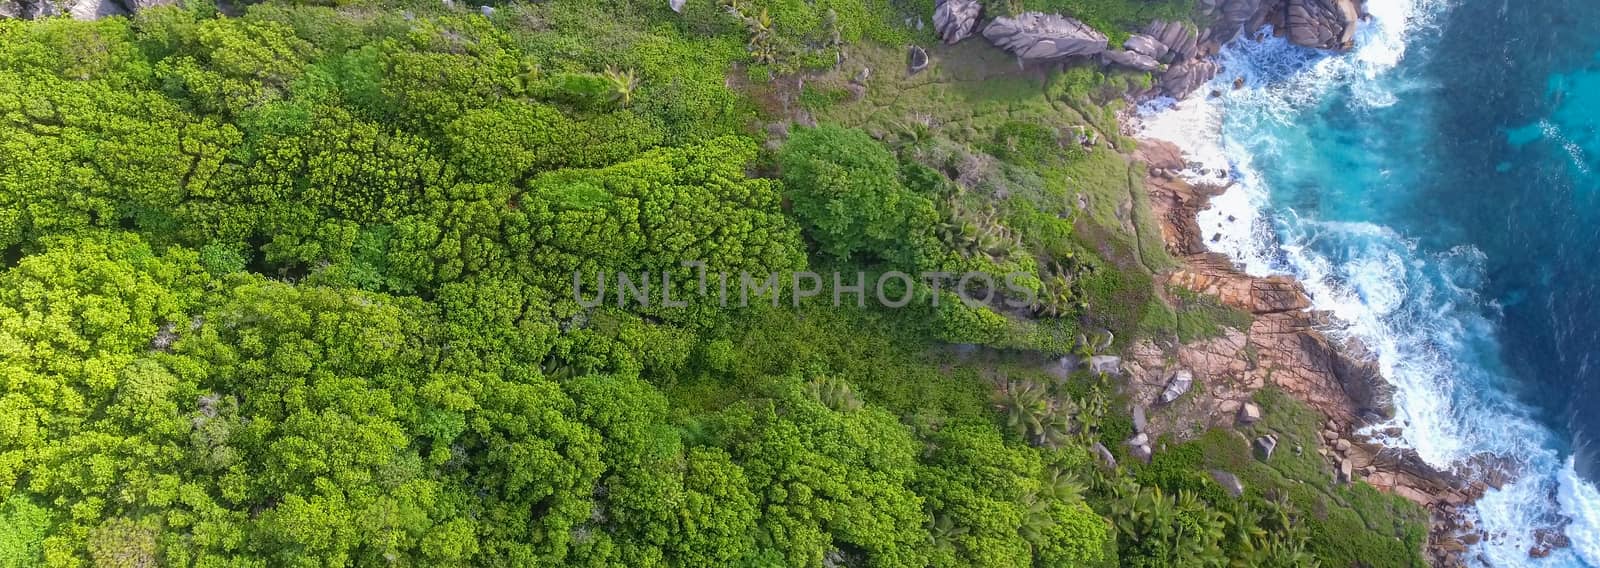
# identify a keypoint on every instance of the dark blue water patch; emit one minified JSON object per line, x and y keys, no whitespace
{"x":1516,"y":131}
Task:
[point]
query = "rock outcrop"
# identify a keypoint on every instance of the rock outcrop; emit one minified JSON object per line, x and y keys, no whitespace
{"x":1181,"y":79}
{"x":1228,"y":481}
{"x":916,"y":60}
{"x":1178,"y":386}
{"x":954,"y":20}
{"x":77,"y":9}
{"x":1285,"y":346}
{"x":1036,"y":37}
{"x":1322,"y":24}
{"x":1130,"y":59}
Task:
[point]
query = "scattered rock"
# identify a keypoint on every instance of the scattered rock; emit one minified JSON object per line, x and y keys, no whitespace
{"x":1035,"y":36}
{"x":1228,"y":481}
{"x":1330,"y":435}
{"x":1177,"y":386}
{"x":1140,"y":439}
{"x":1140,"y":424}
{"x":1265,"y":445}
{"x":1105,"y":456}
{"x":1141,"y":453}
{"x":862,"y":76}
{"x":1250,"y":413}
{"x":1346,"y":469}
{"x":1106,"y":364}
{"x":916,"y":60}
{"x":486,"y":10}
{"x":164,"y":337}
{"x":1342,"y":445}
{"x":676,"y":5}
{"x":1548,"y":540}
{"x":954,"y":20}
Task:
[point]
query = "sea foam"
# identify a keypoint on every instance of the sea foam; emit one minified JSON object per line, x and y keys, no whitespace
{"x":1417,"y":310}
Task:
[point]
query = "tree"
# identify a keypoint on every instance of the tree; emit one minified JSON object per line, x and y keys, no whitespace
{"x":846,"y":189}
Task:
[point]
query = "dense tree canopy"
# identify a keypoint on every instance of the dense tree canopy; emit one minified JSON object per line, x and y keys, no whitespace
{"x":294,"y":287}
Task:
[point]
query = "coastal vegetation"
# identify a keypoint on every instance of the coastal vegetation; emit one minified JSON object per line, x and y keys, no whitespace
{"x":293,"y":286}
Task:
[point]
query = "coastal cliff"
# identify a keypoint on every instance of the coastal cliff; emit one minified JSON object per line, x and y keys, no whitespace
{"x":1286,"y":347}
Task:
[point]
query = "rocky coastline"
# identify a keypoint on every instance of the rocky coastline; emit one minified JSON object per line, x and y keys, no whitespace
{"x":1286,"y":346}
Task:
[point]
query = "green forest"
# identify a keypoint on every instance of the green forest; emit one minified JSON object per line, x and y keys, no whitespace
{"x":291,"y":284}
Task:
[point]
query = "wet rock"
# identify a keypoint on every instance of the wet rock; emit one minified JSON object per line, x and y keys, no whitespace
{"x":1034,"y":36}
{"x":1228,"y":481}
{"x":1265,"y":446}
{"x":916,"y":60}
{"x":1181,"y":79}
{"x":954,"y":20}
{"x":1249,"y":414}
{"x":1547,"y":540}
{"x":1322,"y":24}
{"x":1177,"y":386}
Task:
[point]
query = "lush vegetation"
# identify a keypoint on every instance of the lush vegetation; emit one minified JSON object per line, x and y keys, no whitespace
{"x":295,"y":288}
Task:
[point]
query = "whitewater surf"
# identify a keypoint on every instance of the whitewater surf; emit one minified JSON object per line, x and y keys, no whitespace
{"x":1308,"y":197}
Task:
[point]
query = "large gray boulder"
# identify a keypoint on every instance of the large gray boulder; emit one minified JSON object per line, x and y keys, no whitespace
{"x":916,"y":60}
{"x":1322,"y":24}
{"x":1228,"y":481}
{"x":1034,"y":36}
{"x":1265,"y":446}
{"x":954,"y":20}
{"x":1145,"y":45}
{"x":76,"y":9}
{"x":93,"y":9}
{"x":1181,"y":79}
{"x":1131,"y":60}
{"x":1177,"y":386}
{"x":1106,"y":364}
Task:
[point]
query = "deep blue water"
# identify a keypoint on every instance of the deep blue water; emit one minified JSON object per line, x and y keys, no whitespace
{"x":1437,"y":190}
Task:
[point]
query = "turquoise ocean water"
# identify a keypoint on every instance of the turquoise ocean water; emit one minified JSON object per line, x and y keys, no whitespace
{"x":1436,"y":190}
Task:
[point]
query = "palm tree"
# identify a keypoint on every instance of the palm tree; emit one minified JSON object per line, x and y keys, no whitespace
{"x":1025,"y":406}
{"x":945,"y":532}
{"x":1036,"y":519}
{"x":623,"y":84}
{"x":1062,"y":423}
{"x":1062,"y":486}
{"x":835,"y":394}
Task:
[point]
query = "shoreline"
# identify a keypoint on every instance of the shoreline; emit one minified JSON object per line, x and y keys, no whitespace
{"x":1292,"y":352}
